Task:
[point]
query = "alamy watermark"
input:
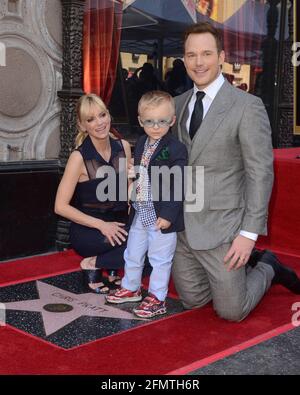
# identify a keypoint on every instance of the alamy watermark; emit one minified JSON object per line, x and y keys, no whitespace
{"x":2,"y":54}
{"x":2,"y":314}
{"x":187,"y":182}
{"x":296,"y":316}
{"x":296,"y":55}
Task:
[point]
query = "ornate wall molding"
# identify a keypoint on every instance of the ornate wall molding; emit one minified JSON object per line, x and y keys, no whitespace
{"x":51,"y":44}
{"x":31,"y":77}
{"x":27,"y":44}
{"x":50,"y":125}
{"x":12,"y":10}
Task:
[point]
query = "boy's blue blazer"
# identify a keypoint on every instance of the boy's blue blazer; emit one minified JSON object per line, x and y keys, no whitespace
{"x":170,"y":152}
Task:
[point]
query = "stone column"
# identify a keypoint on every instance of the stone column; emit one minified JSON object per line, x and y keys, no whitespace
{"x":269,"y":61}
{"x":285,"y":121}
{"x":72,"y":19}
{"x":277,"y":78}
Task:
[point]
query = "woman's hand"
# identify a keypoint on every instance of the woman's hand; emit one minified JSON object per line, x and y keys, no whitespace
{"x":130,"y":170}
{"x":113,"y":231}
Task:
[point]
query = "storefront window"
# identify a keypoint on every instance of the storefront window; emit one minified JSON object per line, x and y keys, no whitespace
{"x":148,"y":35}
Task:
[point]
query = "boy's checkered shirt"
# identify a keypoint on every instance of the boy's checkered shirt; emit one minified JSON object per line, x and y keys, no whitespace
{"x":144,"y":202}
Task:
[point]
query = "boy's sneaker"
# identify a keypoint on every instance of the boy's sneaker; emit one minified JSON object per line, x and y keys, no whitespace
{"x":150,"y":307}
{"x":123,"y":295}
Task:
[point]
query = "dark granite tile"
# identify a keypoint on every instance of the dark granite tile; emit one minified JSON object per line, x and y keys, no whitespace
{"x":79,"y":317}
{"x":277,"y":356}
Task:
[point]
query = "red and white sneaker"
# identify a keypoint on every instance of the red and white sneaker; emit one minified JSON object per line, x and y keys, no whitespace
{"x":123,"y":295}
{"x":150,"y":307}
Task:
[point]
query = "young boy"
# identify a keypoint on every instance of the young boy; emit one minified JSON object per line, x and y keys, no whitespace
{"x":154,"y":222}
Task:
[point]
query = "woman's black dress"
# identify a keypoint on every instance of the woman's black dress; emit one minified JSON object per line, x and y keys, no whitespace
{"x":89,"y":242}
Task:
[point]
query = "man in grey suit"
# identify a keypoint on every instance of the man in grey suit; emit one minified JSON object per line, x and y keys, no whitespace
{"x":227,"y":132}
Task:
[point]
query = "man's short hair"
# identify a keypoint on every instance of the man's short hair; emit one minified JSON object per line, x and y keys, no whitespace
{"x":204,"y":27}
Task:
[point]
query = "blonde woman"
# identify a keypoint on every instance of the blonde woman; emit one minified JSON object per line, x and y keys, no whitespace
{"x":98,"y":229}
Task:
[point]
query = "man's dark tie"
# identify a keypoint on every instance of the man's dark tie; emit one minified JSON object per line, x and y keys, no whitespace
{"x":197,"y":115}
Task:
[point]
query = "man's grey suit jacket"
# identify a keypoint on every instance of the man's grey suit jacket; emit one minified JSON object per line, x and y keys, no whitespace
{"x":234,"y":146}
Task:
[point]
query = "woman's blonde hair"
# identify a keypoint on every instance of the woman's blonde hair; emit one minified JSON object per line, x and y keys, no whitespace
{"x":83,"y":108}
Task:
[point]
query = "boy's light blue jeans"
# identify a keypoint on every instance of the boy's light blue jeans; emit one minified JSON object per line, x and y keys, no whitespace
{"x":160,"y":247}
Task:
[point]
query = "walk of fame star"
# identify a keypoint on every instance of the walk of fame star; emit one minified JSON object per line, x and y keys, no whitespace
{"x":59,"y":307}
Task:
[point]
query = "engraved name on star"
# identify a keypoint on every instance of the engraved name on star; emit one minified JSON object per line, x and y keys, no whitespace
{"x":76,"y":305}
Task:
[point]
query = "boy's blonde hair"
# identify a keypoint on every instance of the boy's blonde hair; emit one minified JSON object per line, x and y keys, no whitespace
{"x":83,"y":109}
{"x":154,"y":99}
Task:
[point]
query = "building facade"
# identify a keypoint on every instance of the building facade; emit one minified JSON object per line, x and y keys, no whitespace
{"x":43,"y":73}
